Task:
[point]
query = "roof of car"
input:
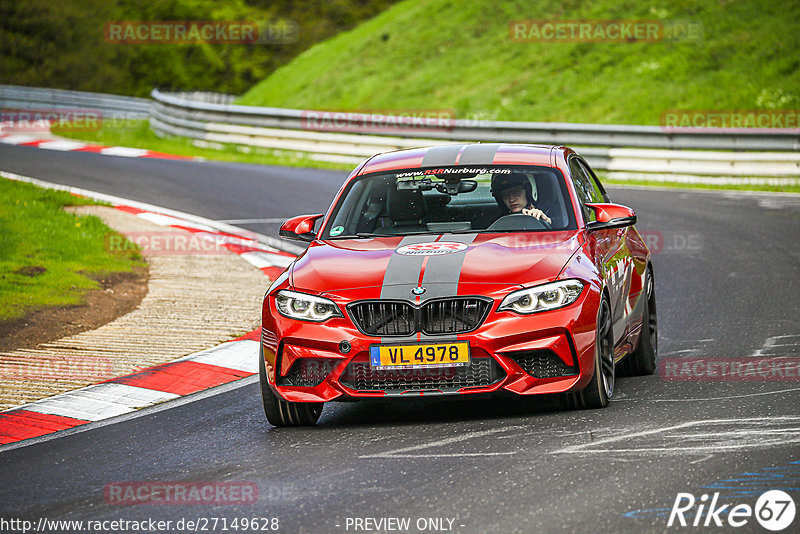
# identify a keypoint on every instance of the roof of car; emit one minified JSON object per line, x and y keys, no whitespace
{"x":463,"y":154}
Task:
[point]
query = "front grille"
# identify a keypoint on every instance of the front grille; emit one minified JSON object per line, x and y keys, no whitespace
{"x":384,"y":318}
{"x":398,"y":318}
{"x":452,"y":316}
{"x":542,"y":363}
{"x":480,"y":372}
{"x":307,"y":372}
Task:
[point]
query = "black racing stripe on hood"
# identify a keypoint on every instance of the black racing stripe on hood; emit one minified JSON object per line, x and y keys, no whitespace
{"x":445,"y":270}
{"x":440,"y":279}
{"x":440,"y":156}
{"x":402,"y":272}
{"x":481,"y":154}
{"x":442,"y":274}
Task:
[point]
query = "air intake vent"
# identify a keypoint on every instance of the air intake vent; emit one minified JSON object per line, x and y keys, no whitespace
{"x":542,"y":364}
{"x":480,"y":372}
{"x":307,"y":372}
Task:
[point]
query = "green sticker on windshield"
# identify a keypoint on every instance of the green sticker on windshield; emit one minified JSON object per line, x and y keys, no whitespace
{"x":337,"y":230}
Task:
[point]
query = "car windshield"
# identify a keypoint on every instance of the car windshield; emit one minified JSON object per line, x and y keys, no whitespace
{"x":458,"y":199}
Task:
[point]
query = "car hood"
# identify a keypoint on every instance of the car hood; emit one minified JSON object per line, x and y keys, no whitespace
{"x":444,"y":265}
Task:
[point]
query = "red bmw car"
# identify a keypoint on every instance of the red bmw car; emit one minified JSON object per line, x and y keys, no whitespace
{"x":460,"y":270}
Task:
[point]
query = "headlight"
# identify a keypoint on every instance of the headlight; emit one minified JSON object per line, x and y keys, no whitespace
{"x":541,"y":298}
{"x":305,"y":307}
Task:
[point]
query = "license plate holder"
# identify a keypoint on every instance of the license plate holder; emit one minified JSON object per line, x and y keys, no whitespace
{"x":419,"y":355}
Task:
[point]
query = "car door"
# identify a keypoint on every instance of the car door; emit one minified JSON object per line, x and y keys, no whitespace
{"x":610,"y":245}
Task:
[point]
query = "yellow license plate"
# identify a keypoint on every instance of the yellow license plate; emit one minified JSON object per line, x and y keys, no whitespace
{"x":424,"y":355}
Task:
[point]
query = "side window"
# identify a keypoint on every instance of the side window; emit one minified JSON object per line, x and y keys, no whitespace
{"x":600,"y":191}
{"x":584,"y":187}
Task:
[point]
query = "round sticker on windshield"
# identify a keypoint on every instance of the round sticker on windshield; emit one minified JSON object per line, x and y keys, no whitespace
{"x":336,"y":230}
{"x":431,"y":249}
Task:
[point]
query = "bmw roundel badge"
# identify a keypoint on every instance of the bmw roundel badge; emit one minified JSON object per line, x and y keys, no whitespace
{"x":419,"y":290}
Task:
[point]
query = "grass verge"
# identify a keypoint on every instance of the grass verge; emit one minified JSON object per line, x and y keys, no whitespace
{"x":50,"y":257}
{"x":137,"y":134}
{"x":711,"y":187}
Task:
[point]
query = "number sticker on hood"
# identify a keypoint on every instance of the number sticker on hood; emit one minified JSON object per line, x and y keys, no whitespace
{"x":431,"y":249}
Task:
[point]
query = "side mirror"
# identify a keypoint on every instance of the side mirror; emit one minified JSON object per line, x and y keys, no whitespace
{"x":611,"y":216}
{"x":300,"y":228}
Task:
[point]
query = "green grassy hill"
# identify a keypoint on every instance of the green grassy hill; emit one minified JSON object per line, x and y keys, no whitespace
{"x":458,"y":55}
{"x":62,"y":44}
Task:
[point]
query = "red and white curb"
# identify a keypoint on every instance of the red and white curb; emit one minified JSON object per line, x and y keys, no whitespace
{"x":66,"y":145}
{"x":222,"y":364}
{"x":269,"y":260}
{"x":225,"y":363}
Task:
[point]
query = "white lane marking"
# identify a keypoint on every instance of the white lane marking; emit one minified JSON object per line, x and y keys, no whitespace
{"x":399,"y":453}
{"x":124,"y":151}
{"x":697,"y":347}
{"x":702,"y":459}
{"x":17,"y":139}
{"x":778,"y":203}
{"x":99,"y":401}
{"x":61,"y":145}
{"x":166,"y":220}
{"x":265,"y":259}
{"x":771,"y":343}
{"x":443,"y":455}
{"x":742,"y":396}
{"x":239,"y":355}
{"x":745,"y":433}
{"x":690,"y":351}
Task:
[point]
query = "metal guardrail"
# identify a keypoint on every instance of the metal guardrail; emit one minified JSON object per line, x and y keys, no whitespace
{"x":646,"y":149}
{"x":109,"y":106}
{"x":212,"y":119}
{"x":604,"y":135}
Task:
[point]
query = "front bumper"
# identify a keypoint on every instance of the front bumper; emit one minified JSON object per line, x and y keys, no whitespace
{"x":546,"y":352}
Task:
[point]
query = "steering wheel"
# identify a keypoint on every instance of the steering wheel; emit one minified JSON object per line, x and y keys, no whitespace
{"x":518,"y":221}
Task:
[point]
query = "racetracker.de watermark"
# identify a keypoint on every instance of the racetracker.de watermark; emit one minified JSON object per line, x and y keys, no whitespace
{"x":178,"y":243}
{"x":721,"y":120}
{"x":603,"y":31}
{"x":672,"y":242}
{"x":772,"y":368}
{"x":200,"y":32}
{"x":55,"y":367}
{"x":180,"y":493}
{"x":657,"y":242}
{"x":76,"y":119}
{"x":379,"y":121}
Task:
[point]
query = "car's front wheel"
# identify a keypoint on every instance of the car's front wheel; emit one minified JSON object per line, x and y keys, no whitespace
{"x":280,"y":412}
{"x":601,"y":387}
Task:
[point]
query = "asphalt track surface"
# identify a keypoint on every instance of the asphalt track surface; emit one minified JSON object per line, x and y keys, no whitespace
{"x":727,"y":272}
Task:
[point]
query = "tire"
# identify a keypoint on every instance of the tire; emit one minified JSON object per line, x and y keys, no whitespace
{"x":643,"y":360}
{"x":601,"y":387}
{"x":284,"y":413}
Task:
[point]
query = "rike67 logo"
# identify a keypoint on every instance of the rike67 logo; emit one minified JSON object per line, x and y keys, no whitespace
{"x":774,"y":510}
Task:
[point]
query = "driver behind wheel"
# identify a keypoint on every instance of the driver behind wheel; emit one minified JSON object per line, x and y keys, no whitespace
{"x":514,"y":194}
